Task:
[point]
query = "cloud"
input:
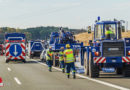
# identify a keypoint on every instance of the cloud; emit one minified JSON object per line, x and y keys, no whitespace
{"x":2,"y":1}
{"x":122,"y":6}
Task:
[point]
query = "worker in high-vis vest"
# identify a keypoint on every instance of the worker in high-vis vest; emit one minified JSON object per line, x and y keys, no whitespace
{"x":109,"y":33}
{"x":69,"y":61}
{"x":61,"y":59}
{"x":49,"y":58}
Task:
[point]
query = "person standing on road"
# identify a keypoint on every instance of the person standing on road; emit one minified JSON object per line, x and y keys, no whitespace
{"x":49,"y":58}
{"x":69,"y":61}
{"x":61,"y":59}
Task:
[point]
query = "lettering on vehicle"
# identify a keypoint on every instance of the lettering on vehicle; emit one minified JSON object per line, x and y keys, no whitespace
{"x":76,"y":46}
{"x":113,"y":49}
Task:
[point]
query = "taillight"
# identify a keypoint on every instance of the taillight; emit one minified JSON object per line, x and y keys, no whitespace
{"x":7,"y":41}
{"x":96,"y":53}
{"x":23,"y":40}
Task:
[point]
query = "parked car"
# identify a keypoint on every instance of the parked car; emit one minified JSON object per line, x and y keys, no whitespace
{"x":43,"y":55}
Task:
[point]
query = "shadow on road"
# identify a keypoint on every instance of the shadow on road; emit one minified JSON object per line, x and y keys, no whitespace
{"x":20,"y":62}
{"x":32,"y":62}
{"x":112,"y":76}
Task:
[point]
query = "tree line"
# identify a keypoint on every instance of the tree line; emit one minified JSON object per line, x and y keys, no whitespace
{"x":34,"y":33}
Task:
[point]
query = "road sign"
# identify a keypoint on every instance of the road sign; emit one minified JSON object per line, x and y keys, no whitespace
{"x":15,"y":50}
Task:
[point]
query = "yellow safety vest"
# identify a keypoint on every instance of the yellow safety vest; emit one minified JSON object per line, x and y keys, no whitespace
{"x":50,"y":54}
{"x":109,"y":32}
{"x":69,"y":55}
{"x":61,"y":56}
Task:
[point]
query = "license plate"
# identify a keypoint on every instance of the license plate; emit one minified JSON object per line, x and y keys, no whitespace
{"x":113,"y":60}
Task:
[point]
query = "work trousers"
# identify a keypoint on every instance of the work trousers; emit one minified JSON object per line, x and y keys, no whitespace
{"x":62,"y":65}
{"x":69,"y":67}
{"x":49,"y":63}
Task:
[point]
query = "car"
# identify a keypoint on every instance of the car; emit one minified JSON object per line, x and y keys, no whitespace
{"x":43,"y":55}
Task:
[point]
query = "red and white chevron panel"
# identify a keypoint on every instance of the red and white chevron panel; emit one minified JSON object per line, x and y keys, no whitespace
{"x":125,"y":59}
{"x":9,"y":56}
{"x":99,"y":60}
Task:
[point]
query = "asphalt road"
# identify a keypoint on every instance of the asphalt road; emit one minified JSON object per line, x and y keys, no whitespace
{"x":35,"y":76}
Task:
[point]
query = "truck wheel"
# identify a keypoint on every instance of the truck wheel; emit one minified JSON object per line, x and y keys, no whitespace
{"x":86,"y":64}
{"x":7,"y":61}
{"x":93,"y":69}
{"x":119,"y":71}
{"x":126,"y":71}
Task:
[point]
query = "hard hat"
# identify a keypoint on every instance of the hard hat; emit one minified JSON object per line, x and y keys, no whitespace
{"x":62,"y":48}
{"x":67,"y":45}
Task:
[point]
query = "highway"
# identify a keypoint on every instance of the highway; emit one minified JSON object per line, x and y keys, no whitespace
{"x":34,"y":75}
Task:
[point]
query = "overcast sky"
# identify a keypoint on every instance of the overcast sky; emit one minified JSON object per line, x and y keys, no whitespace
{"x":69,"y":13}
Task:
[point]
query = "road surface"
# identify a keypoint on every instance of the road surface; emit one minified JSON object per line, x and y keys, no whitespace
{"x":34,"y":75}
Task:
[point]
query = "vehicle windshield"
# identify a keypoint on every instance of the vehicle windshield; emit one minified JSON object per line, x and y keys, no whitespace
{"x":110,"y":31}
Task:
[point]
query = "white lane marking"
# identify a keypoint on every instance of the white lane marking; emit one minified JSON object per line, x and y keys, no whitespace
{"x":94,"y":80}
{"x":17,"y":80}
{"x":9,"y":69}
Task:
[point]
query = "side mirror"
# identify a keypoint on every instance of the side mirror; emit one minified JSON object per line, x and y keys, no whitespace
{"x":123,"y":28}
{"x":89,"y":29}
{"x":90,"y":43}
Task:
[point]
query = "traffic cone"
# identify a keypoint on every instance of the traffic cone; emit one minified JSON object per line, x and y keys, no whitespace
{"x":1,"y":82}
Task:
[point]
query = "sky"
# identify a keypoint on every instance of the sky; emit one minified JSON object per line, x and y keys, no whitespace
{"x":67,"y":13}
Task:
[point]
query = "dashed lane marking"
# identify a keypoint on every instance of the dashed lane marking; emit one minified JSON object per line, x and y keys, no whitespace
{"x":17,"y":80}
{"x":9,"y":69}
{"x":94,"y":80}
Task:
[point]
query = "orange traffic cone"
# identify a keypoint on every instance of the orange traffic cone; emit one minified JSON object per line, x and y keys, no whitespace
{"x":1,"y":82}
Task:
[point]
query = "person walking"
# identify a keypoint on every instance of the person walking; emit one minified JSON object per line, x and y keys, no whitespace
{"x":49,"y":58}
{"x":69,"y":61}
{"x":61,"y":59}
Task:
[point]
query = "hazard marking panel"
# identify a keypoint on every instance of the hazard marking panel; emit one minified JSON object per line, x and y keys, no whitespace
{"x":15,"y":51}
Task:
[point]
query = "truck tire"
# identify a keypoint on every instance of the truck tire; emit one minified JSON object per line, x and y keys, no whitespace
{"x":119,"y":71}
{"x":126,"y":71}
{"x":7,"y":61}
{"x":86,"y":64}
{"x":93,"y":69}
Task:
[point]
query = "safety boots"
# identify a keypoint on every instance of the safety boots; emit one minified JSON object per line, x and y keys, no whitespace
{"x":50,"y":70}
{"x":74,"y":76}
{"x":68,"y":76}
{"x":63,"y":71}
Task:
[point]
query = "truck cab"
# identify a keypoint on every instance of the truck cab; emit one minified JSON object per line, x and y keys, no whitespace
{"x":101,"y":29}
{"x":109,"y":50}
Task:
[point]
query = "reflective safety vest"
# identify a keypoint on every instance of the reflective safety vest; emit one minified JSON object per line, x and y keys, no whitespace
{"x":49,"y":55}
{"x":109,"y":32}
{"x":61,"y":56}
{"x":69,"y":55}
